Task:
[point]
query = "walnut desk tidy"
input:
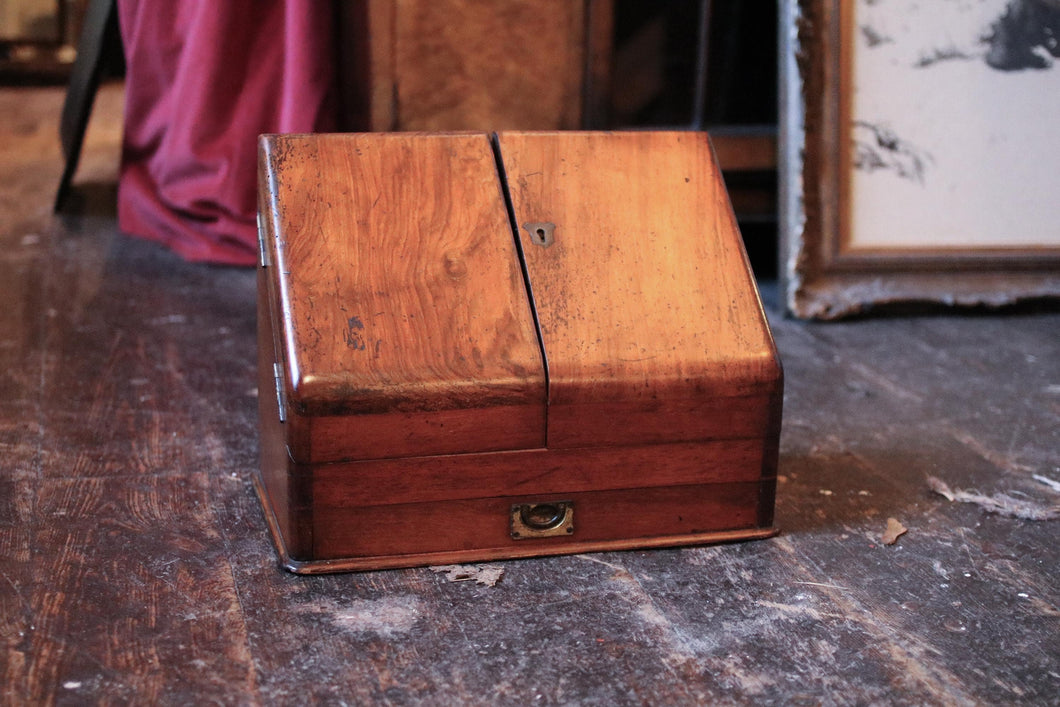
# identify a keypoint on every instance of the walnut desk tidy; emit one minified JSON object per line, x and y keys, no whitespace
{"x":475,"y":347}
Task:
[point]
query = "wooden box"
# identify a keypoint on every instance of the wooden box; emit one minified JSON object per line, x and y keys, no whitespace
{"x":476,"y":347}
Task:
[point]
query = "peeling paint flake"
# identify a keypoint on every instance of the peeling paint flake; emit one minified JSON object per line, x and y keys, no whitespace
{"x":486,"y":575}
{"x":999,"y":503}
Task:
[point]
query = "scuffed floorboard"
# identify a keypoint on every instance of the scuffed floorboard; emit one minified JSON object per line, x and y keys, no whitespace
{"x":137,"y":568}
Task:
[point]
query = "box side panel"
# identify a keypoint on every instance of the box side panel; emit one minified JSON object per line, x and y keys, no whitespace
{"x":639,"y":279}
{"x":401,"y":298}
{"x":284,"y":493}
{"x":771,"y":456}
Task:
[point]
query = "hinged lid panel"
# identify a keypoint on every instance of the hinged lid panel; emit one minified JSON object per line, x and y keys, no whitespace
{"x":404,"y":323}
{"x":648,"y":312}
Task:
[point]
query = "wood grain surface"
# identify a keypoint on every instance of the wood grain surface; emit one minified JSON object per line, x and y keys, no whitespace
{"x":135,"y":564}
{"x":400,"y":297}
{"x":645,"y":300}
{"x":472,"y":65}
{"x":533,"y":472}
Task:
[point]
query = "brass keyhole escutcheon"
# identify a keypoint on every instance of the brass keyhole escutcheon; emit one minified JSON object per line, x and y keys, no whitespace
{"x":541,"y":233}
{"x":542,"y":520}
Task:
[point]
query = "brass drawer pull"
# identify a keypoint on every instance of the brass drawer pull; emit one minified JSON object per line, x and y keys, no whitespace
{"x":542,"y":520}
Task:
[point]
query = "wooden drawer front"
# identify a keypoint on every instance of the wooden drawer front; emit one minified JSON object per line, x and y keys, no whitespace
{"x":627,"y":516}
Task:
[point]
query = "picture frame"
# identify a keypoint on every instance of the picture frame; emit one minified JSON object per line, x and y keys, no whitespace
{"x":910,"y":207}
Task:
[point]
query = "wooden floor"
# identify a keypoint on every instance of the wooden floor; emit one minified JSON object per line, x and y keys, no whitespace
{"x":136,"y":566}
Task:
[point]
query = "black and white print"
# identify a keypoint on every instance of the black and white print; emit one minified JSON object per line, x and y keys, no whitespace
{"x":953,"y":123}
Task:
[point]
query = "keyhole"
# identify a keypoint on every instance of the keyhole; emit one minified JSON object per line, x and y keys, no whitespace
{"x":541,"y":234}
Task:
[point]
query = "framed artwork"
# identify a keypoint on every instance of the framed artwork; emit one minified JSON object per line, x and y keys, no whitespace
{"x":919,"y":153}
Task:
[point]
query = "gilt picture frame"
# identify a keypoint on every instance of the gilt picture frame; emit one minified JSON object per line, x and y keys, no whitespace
{"x":916,"y":160}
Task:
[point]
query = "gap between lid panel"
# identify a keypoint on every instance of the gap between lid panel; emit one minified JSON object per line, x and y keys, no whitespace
{"x":502,"y":175}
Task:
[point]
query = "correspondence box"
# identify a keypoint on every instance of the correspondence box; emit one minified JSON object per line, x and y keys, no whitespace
{"x":475,"y":348}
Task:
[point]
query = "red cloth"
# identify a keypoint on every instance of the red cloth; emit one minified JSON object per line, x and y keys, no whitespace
{"x":203,"y":79}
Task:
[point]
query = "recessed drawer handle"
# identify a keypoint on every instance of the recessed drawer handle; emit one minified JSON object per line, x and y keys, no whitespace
{"x":542,"y":520}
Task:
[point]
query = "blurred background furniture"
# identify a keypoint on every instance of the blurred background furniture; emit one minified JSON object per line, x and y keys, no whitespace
{"x":98,"y":50}
{"x":544,"y":65}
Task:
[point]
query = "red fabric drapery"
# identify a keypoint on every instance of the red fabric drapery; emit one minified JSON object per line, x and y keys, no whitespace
{"x":203,"y":80}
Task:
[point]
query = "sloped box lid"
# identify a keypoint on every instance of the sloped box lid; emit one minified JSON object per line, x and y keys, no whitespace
{"x":401,"y":318}
{"x":410,"y":321}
